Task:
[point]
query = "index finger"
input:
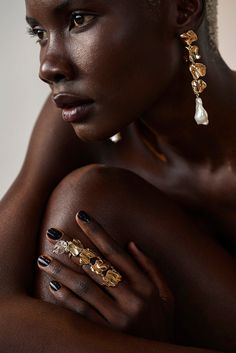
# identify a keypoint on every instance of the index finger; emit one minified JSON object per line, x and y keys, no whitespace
{"x":109,"y":247}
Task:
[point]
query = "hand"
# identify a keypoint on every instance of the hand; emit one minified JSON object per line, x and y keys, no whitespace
{"x":141,"y":304}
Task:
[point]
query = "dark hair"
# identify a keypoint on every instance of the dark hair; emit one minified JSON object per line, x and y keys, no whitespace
{"x":211,"y":19}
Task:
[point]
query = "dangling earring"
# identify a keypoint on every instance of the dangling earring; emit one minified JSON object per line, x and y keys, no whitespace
{"x":116,"y":138}
{"x":197,"y":70}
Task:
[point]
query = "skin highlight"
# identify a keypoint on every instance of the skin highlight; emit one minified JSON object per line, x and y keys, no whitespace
{"x":179,"y":212}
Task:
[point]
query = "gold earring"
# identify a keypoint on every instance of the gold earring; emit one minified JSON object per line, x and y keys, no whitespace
{"x":116,"y":138}
{"x":197,"y":70}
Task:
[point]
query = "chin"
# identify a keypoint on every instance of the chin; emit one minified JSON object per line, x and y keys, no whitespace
{"x":89,"y":135}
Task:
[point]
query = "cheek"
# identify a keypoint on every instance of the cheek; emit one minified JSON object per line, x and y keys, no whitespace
{"x":126,"y":70}
{"x":132,"y":75}
{"x":127,"y":62}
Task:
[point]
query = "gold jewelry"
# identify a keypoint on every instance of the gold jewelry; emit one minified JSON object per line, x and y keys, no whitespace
{"x":197,"y":70}
{"x":72,"y":248}
{"x":116,"y":138}
{"x":110,"y":277}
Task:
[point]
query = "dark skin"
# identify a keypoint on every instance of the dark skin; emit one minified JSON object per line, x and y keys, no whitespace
{"x":126,"y":83}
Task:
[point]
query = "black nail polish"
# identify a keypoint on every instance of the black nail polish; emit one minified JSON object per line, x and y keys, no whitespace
{"x":54,"y":234}
{"x":55,"y":286}
{"x":44,"y":261}
{"x":84,"y":217}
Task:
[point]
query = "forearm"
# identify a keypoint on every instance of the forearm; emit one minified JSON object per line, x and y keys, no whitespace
{"x":28,"y":325}
{"x":21,"y":213}
{"x":46,"y":163}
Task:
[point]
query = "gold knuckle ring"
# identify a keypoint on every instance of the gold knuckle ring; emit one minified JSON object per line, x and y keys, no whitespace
{"x":110,"y":277}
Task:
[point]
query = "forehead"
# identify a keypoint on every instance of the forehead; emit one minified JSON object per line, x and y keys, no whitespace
{"x":58,"y":5}
{"x":53,"y":10}
{"x":62,"y":4}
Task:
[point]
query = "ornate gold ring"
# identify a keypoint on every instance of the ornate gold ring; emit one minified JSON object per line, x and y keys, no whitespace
{"x":110,"y":277}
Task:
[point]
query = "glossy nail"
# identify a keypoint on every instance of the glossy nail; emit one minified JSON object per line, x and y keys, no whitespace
{"x":55,"y":286}
{"x":44,"y":261}
{"x":83,"y":216}
{"x":54,"y":234}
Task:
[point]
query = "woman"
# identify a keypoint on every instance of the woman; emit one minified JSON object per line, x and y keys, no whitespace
{"x":168,"y":185}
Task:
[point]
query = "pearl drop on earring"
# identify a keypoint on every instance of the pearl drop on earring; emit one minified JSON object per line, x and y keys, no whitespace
{"x":201,"y":116}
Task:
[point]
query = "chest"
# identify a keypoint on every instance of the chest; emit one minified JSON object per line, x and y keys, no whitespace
{"x":207,"y":193}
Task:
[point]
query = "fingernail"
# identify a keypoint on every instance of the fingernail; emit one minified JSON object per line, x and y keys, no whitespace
{"x":136,"y":246}
{"x":83,"y":216}
{"x":44,"y":261}
{"x":55,"y":286}
{"x":54,"y":234}
{"x":133,"y":244}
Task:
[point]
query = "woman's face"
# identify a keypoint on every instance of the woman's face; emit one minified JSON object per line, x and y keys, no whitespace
{"x":106,"y":61}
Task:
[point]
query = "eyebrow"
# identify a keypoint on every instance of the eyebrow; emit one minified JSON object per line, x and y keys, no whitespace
{"x":31,"y":21}
{"x":59,"y":8}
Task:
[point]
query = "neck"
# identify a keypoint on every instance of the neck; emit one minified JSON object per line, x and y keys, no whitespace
{"x":173,"y":115}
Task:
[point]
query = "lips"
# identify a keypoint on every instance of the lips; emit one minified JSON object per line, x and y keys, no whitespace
{"x":74,"y":108}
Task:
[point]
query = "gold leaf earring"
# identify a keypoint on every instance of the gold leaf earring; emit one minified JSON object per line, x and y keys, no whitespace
{"x":197,"y":70}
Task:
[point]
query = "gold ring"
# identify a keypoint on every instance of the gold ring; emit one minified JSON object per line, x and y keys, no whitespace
{"x":110,"y":277}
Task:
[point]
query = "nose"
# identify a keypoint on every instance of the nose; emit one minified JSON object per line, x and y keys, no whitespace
{"x":55,"y":66}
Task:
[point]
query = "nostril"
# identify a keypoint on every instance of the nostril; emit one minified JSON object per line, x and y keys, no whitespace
{"x":45,"y":81}
{"x":58,"y":78}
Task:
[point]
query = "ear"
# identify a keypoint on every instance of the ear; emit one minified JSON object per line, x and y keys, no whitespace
{"x":189,"y":14}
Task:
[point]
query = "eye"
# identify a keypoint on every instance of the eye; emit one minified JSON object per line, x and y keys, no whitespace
{"x":81,"y":20}
{"x":39,"y":33}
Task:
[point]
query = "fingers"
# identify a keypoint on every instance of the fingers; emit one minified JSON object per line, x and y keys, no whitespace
{"x":80,"y":284}
{"x":140,"y":277}
{"x":69,"y":301}
{"x":81,"y":292}
{"x":122,"y":292}
{"x":155,"y":275}
{"x":128,"y":296}
{"x":110,"y":249}
{"x":89,"y":260}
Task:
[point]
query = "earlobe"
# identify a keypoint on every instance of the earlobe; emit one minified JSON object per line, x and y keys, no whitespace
{"x":189,"y":13}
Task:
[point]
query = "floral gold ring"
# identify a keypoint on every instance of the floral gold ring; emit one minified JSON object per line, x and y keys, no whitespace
{"x":110,"y":277}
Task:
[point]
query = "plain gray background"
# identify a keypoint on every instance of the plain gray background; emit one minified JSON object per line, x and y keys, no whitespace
{"x":22,"y":93}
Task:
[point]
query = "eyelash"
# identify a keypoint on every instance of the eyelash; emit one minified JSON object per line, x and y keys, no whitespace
{"x":83,"y":16}
{"x":35,"y":31}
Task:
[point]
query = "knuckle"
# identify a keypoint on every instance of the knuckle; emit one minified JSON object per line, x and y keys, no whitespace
{"x":82,"y":309}
{"x":81,"y":286}
{"x":63,"y":295}
{"x":122,"y":322}
{"x":110,"y":249}
{"x":56,"y":268}
{"x":136,"y":305}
